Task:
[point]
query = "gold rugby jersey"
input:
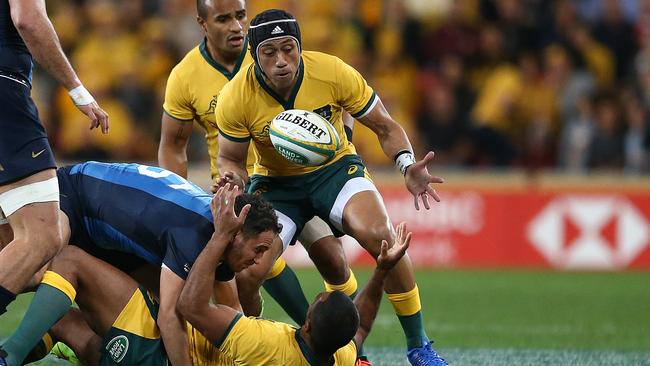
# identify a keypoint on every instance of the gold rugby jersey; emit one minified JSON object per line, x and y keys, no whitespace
{"x":191,"y":95}
{"x":325,"y":85}
{"x":253,"y":341}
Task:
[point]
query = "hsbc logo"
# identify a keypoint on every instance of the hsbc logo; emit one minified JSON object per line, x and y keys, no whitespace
{"x":589,"y":232}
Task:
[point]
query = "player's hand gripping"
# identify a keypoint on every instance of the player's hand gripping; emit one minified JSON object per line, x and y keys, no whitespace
{"x":228,"y":177}
{"x":98,"y":117}
{"x":418,"y":182}
{"x":388,"y":258}
{"x":226,"y":222}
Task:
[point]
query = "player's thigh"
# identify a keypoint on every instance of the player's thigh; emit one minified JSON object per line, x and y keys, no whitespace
{"x":365,"y":219}
{"x":350,"y":200}
{"x":313,"y":231}
{"x":290,"y":201}
{"x":134,"y":338}
{"x":102,"y":290}
{"x":31,"y":207}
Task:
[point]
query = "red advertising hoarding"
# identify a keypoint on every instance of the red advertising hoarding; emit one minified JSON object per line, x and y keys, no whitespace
{"x":576,"y":227}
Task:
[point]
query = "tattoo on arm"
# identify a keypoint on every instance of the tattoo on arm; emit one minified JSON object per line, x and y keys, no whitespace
{"x":179,"y":134}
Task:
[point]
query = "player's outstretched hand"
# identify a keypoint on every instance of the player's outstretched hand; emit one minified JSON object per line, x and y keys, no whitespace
{"x":228,"y":177}
{"x":418,"y":182}
{"x":388,"y":258}
{"x":226,"y":222}
{"x":98,"y":117}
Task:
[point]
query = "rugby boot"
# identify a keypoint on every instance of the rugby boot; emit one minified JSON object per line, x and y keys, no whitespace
{"x":425,"y":356}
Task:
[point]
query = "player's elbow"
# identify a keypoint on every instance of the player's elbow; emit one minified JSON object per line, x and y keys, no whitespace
{"x":23,"y":25}
{"x":24,"y":20}
{"x":188,"y":308}
{"x":184,"y":304}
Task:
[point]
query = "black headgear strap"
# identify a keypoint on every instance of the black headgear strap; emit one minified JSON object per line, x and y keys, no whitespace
{"x":272,"y":24}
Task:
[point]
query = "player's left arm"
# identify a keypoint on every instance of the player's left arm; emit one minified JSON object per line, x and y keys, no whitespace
{"x":396,"y":145}
{"x":170,"y":321}
{"x":368,"y":300}
{"x":213,"y":320}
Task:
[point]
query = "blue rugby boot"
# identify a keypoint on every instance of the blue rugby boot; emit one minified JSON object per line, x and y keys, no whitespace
{"x":425,"y":356}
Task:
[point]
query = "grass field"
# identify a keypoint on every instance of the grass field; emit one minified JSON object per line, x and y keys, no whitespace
{"x":507,"y":318}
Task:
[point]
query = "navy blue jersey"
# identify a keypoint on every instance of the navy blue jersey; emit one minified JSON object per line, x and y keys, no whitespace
{"x":15,"y":58}
{"x":147,"y":211}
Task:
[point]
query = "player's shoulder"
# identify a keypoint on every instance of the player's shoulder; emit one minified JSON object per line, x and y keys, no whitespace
{"x":189,"y":63}
{"x":320,"y":59}
{"x":319,"y":65}
{"x":241,"y":84}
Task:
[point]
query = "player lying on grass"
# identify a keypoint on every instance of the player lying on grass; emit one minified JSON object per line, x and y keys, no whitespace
{"x":151,"y":214}
{"x":120,"y":316}
{"x":335,"y":328}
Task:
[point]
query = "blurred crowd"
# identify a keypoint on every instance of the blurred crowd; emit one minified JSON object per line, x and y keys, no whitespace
{"x":484,"y":83}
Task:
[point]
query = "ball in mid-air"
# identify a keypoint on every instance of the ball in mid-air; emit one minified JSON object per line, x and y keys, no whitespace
{"x":304,"y":137}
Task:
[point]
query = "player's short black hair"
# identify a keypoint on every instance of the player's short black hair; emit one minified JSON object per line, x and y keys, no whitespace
{"x":261,"y":216}
{"x":334,"y":322}
{"x":202,"y":8}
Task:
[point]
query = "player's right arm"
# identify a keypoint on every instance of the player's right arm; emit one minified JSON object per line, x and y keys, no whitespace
{"x":367,"y":302}
{"x":176,"y":126}
{"x":172,"y":151}
{"x":234,"y":138}
{"x":231,"y":160}
{"x":36,"y":30}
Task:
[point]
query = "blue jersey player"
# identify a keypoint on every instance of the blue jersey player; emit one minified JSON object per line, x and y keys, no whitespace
{"x":28,"y":187}
{"x":155,"y":215}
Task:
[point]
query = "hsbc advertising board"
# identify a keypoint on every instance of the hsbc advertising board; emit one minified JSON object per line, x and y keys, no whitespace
{"x":567,"y":229}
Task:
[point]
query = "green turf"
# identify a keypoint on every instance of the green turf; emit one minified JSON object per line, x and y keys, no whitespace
{"x":508,"y":317}
{"x":520,"y":309}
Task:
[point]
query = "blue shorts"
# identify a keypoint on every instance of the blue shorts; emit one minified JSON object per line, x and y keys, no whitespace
{"x":24,"y":149}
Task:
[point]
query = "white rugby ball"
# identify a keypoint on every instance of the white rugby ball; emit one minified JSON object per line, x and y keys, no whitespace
{"x":304,"y":137}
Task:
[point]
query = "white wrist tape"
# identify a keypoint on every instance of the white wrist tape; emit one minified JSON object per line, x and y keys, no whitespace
{"x":81,"y":96}
{"x":403,"y":160}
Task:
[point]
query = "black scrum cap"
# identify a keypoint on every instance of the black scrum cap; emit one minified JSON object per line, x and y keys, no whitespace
{"x":272,"y":24}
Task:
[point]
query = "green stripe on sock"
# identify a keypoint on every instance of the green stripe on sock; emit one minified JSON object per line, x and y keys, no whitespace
{"x":285,"y":289}
{"x":413,"y":330}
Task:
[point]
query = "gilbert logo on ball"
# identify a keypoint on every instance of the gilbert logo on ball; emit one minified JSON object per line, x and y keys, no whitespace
{"x":304,"y":137}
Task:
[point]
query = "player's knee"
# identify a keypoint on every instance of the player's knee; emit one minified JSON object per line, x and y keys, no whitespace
{"x":44,"y":242}
{"x":49,"y":241}
{"x":67,"y":260}
{"x":373,"y":236}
